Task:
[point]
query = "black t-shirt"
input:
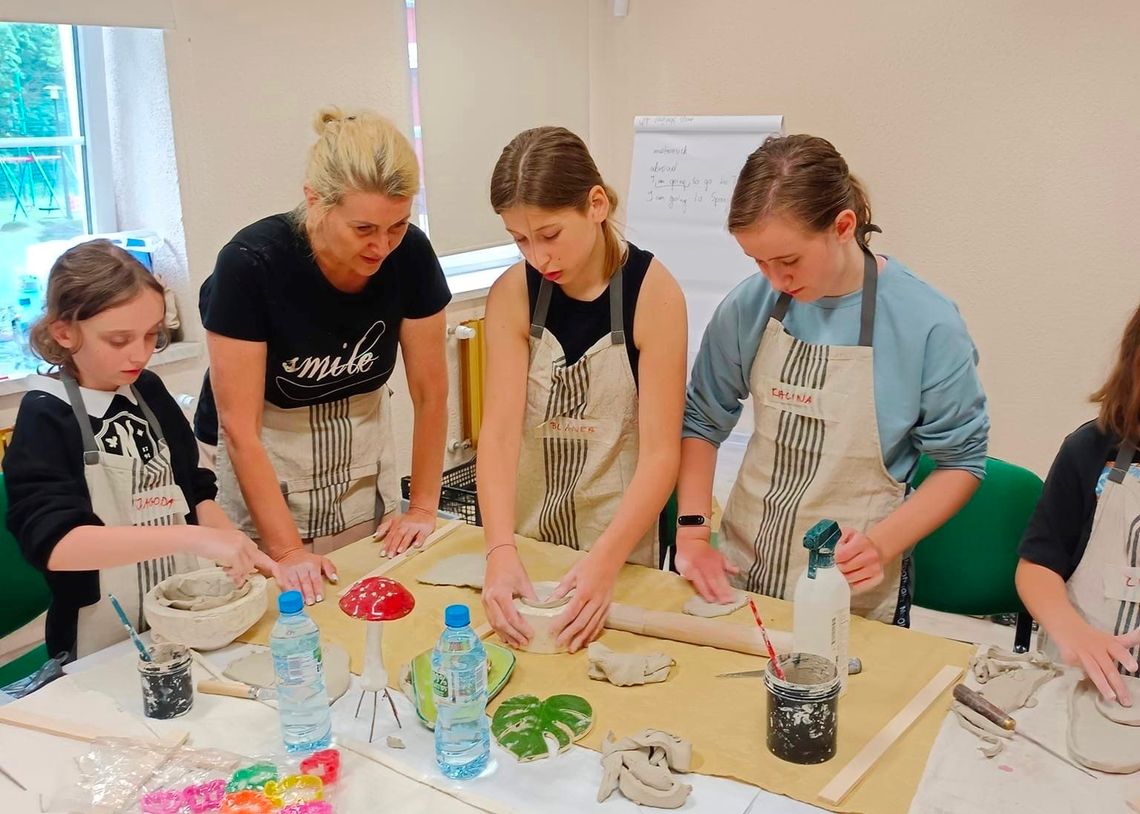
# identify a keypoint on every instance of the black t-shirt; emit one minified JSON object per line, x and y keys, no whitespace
{"x":577,"y":324}
{"x":322,"y":344}
{"x":1060,"y":527}
{"x":47,"y":491}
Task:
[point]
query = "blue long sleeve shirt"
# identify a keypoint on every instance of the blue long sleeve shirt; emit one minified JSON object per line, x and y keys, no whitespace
{"x":928,"y":397}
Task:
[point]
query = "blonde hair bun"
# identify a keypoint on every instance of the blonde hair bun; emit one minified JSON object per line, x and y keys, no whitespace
{"x":325,"y":116}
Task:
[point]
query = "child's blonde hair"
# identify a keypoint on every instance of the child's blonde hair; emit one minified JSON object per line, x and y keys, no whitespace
{"x":1119,"y":396}
{"x":357,"y":152}
{"x":85,"y":281}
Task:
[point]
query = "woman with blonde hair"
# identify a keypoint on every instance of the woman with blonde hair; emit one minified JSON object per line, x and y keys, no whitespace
{"x":586,"y":371}
{"x":855,"y":367}
{"x":1079,"y":573}
{"x":304,"y":313}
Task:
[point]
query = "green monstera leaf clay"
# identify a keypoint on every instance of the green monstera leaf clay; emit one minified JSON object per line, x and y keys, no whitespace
{"x":523,"y":723}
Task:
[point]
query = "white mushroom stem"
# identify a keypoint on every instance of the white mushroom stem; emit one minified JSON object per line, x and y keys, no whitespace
{"x":375,"y":678}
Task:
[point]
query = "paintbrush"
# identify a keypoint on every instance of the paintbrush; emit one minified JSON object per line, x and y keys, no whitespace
{"x":776,"y":668}
{"x":143,"y":652}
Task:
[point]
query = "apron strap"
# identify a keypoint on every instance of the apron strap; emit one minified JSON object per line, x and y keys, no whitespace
{"x":149,"y":415}
{"x":1123,"y":461}
{"x":90,"y":448}
{"x":617,"y":318}
{"x":541,"y":308}
{"x":870,"y":292}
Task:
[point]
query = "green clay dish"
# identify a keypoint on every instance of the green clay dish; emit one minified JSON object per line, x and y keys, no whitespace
{"x":500,"y":665}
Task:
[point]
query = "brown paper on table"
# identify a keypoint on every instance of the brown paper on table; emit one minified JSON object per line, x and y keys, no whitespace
{"x":725,"y":718}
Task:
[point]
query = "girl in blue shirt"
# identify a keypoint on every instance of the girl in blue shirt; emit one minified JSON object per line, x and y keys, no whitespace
{"x":855,"y":366}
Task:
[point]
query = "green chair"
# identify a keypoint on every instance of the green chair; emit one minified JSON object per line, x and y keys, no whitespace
{"x":967,"y":566}
{"x":25,"y":594}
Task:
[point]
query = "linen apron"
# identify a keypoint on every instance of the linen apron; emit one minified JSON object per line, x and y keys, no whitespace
{"x":580,"y":436}
{"x":1105,"y":587}
{"x":814,"y":454}
{"x":335,"y":465}
{"x":125,"y":491}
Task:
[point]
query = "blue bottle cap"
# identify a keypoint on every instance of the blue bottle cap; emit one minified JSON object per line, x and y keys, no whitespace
{"x":457,"y":616}
{"x":290,"y":602}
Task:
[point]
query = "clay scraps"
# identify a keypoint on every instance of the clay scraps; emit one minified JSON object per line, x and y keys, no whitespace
{"x":639,"y":766}
{"x":627,"y":669}
{"x":1009,"y":681}
{"x":200,"y":590}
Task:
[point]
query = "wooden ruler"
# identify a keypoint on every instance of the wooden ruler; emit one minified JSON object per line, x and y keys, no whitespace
{"x":849,"y":776}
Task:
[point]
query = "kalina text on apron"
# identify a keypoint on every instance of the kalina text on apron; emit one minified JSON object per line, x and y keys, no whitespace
{"x":814,"y":453}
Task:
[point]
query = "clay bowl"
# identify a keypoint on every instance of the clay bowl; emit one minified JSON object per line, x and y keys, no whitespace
{"x":206,"y":629}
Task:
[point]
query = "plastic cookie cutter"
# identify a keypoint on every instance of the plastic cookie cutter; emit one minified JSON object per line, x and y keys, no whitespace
{"x":324,"y":764}
{"x":246,"y":802}
{"x":252,"y":777}
{"x":311,"y":807}
{"x":294,"y":788}
{"x":203,"y":797}
{"x":161,"y":801}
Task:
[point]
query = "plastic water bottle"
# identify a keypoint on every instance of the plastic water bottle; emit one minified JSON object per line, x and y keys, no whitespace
{"x":302,"y":700}
{"x":822,"y":604}
{"x":459,"y":688}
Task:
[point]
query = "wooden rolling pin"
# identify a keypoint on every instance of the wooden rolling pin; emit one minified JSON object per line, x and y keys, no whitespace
{"x":681,"y":627}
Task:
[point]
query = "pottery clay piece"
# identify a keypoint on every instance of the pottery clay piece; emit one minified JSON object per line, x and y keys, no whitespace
{"x":256,"y":669}
{"x":464,"y":570}
{"x":1097,"y":742}
{"x":202,"y":609}
{"x":697,"y":606}
{"x":1130,"y":716}
{"x":395,"y":743}
{"x":627,"y":669}
{"x":1009,"y":681}
{"x":541,"y":616}
{"x":639,"y":766}
{"x":523,"y":723}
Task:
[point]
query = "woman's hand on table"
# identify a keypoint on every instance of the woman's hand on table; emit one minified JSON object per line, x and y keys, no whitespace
{"x":860,"y":560}
{"x":1097,"y":653}
{"x":592,"y":581}
{"x":401,"y":532}
{"x":302,"y":571}
{"x":504,"y":579}
{"x":704,"y":566}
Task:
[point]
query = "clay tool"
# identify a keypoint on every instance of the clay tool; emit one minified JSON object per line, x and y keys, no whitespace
{"x":4,"y":772}
{"x":776,"y":668}
{"x":854,"y":667}
{"x":681,"y":627}
{"x":236,"y":689}
{"x":991,"y":712}
{"x":856,"y":769}
{"x":143,"y":652}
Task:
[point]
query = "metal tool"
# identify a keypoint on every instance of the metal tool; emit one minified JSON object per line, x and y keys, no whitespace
{"x":854,"y":667}
{"x":978,"y":703}
{"x":4,"y":772}
{"x":236,"y":689}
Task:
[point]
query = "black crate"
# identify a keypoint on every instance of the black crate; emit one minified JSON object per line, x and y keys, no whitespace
{"x":456,"y":494}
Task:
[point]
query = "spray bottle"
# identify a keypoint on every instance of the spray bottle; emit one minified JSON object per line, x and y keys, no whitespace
{"x":822,"y":609}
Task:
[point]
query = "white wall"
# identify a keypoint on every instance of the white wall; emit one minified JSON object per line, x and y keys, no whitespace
{"x":999,"y":142}
{"x":245,"y":81}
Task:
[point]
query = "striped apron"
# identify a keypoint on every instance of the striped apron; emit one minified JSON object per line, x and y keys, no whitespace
{"x":127,"y":492}
{"x":1105,"y":587}
{"x":814,"y":454}
{"x":580,"y":436}
{"x":335,"y":465}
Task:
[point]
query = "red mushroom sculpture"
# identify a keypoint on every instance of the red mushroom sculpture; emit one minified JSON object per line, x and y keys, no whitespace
{"x":376,"y":600}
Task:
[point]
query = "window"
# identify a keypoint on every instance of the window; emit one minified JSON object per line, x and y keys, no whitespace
{"x":53,"y":184}
{"x":466,"y":270}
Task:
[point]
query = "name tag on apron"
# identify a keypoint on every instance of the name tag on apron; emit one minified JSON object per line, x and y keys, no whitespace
{"x":155,"y":504}
{"x":587,"y":429}
{"x":792,"y":399}
{"x":1123,"y":583}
